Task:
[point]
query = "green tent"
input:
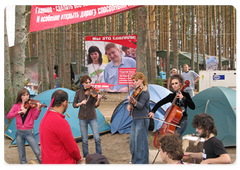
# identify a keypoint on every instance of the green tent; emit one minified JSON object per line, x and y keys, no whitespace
{"x":220,"y":102}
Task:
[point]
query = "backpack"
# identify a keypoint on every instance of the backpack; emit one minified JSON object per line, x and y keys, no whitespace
{"x":96,"y":159}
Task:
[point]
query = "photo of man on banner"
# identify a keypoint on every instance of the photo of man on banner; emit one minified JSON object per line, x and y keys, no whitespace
{"x":112,"y":62}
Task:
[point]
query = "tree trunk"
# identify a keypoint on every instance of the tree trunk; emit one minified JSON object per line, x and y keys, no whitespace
{"x":167,"y":40}
{"x":8,"y":89}
{"x":67,"y":75}
{"x":152,"y":54}
{"x":233,"y":39}
{"x":193,"y":38}
{"x":175,"y":36}
{"x":19,"y":48}
{"x":142,"y":42}
{"x":219,"y":38}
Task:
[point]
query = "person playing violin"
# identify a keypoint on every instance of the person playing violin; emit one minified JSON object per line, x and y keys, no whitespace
{"x":170,"y":148}
{"x":25,"y":122}
{"x":87,"y":114}
{"x":139,"y":108}
{"x":183,"y":101}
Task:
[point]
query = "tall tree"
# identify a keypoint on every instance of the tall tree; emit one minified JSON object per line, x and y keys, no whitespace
{"x":142,"y":42}
{"x":19,"y":48}
{"x":233,"y":38}
{"x":193,"y":38}
{"x":8,"y":90}
{"x":175,"y":36}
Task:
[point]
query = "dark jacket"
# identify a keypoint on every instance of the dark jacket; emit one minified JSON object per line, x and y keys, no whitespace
{"x":142,"y":107}
{"x":183,"y":104}
{"x":86,"y":112}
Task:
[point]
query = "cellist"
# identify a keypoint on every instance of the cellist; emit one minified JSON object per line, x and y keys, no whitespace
{"x":183,"y":101}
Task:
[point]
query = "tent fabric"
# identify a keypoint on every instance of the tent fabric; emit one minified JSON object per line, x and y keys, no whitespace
{"x":121,"y":121}
{"x":185,"y":57}
{"x":71,"y":116}
{"x":220,"y":103}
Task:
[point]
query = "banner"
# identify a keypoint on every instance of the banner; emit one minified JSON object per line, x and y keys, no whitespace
{"x":50,"y":16}
{"x":103,"y":69}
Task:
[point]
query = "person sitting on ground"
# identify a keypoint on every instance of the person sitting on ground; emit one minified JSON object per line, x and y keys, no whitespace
{"x":171,"y":150}
{"x":213,"y":149}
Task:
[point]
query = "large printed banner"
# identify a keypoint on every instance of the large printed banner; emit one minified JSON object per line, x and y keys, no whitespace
{"x":50,"y":16}
{"x":104,"y":71}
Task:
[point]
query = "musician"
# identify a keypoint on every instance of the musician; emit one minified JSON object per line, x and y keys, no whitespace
{"x":171,"y":150}
{"x":57,"y":142}
{"x":139,"y":108}
{"x":87,"y":114}
{"x":213,"y":149}
{"x":183,"y":101}
{"x":25,"y":123}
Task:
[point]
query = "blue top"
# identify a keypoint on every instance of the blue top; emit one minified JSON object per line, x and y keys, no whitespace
{"x":111,"y":72}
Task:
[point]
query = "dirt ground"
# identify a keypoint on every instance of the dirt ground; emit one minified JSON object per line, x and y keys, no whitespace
{"x":114,"y":147}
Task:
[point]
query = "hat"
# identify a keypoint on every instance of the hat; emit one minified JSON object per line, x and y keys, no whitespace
{"x":174,"y":69}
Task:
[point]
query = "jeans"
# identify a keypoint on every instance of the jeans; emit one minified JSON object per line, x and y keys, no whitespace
{"x":190,"y":91}
{"x":183,"y":125}
{"x":21,"y":136}
{"x":138,"y":141}
{"x":84,"y":131}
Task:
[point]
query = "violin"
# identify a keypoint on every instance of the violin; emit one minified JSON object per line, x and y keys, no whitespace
{"x":173,"y":115}
{"x":94,"y":93}
{"x":136,"y":92}
{"x":32,"y":104}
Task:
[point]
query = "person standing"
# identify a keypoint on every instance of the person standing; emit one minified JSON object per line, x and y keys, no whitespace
{"x":173,"y":72}
{"x":95,"y":65}
{"x":183,"y":101}
{"x":58,"y":145}
{"x":25,"y":122}
{"x":87,"y":114}
{"x":213,"y":149}
{"x":139,"y":108}
{"x":111,"y":69}
{"x":170,"y":148}
{"x":192,"y":76}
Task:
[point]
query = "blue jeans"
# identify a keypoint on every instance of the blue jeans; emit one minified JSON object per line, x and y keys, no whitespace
{"x":138,"y":141}
{"x":84,"y":131}
{"x":183,"y":125}
{"x":21,"y":136}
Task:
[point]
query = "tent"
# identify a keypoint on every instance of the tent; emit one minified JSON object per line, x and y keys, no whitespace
{"x":185,"y":57}
{"x":121,"y":121}
{"x":220,"y":102}
{"x":71,"y":116}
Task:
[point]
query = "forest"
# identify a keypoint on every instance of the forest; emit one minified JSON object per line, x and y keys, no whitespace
{"x":203,"y":30}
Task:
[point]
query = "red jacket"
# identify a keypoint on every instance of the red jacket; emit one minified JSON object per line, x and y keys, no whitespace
{"x":33,"y":114}
{"x":58,"y":145}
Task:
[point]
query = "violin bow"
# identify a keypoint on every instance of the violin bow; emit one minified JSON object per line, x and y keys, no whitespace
{"x":160,"y":121}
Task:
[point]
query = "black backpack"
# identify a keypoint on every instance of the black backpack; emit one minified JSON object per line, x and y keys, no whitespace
{"x":96,"y":159}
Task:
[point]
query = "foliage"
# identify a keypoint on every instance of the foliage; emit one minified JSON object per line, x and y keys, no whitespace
{"x":158,"y":81}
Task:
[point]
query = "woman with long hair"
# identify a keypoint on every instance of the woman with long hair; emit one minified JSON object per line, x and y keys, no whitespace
{"x":95,"y":65}
{"x":24,"y":122}
{"x":139,"y":109}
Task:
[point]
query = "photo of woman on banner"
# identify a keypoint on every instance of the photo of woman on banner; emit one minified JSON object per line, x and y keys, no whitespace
{"x":111,"y":69}
{"x":95,"y":65}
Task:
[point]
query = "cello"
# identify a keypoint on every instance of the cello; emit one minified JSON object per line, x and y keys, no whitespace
{"x":173,"y":115}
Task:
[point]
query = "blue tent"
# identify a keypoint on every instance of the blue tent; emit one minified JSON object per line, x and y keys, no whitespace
{"x":71,"y":116}
{"x":220,"y":103}
{"x":121,"y":121}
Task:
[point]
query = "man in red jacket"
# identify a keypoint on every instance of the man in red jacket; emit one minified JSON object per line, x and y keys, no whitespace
{"x":58,"y":145}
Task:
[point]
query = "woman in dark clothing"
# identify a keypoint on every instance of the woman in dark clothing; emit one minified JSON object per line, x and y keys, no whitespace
{"x":87,"y":114}
{"x":139,"y":109}
{"x":183,"y":101}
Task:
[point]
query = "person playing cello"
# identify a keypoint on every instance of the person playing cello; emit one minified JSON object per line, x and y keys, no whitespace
{"x":139,"y":108}
{"x":183,"y":101}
